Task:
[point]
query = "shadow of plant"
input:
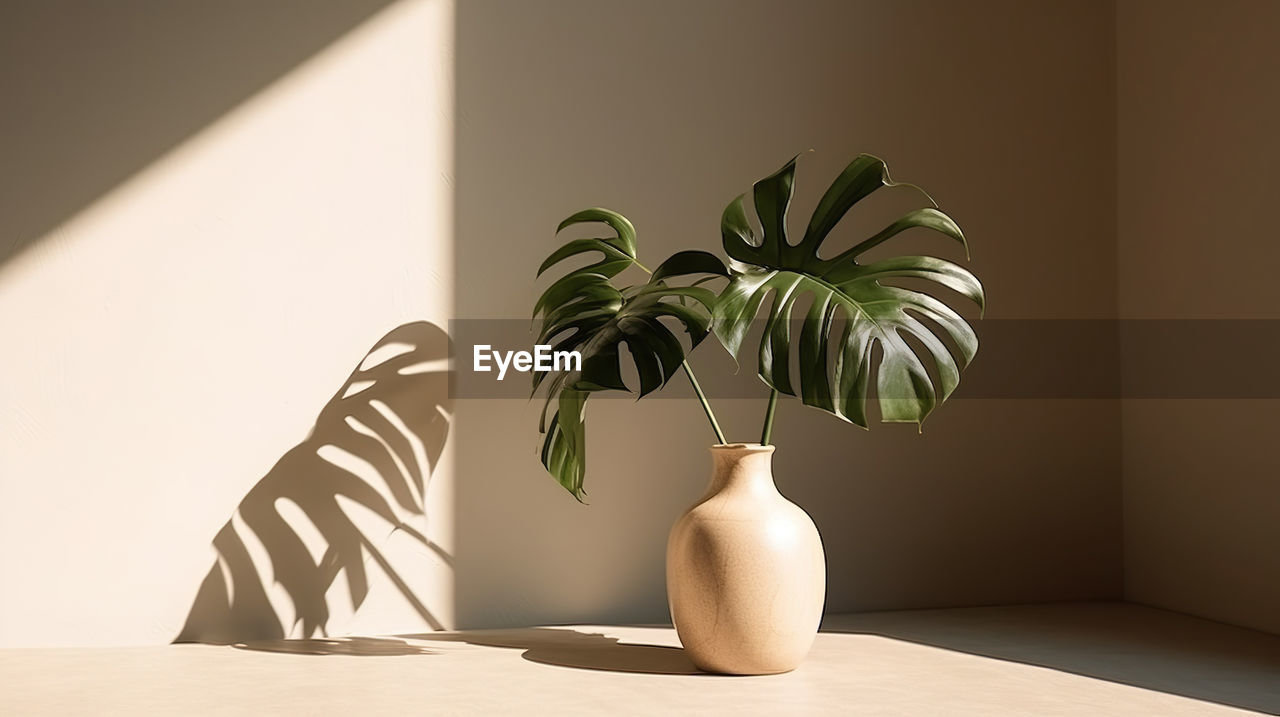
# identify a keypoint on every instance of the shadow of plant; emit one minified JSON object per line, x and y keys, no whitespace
{"x":387,"y":427}
{"x":350,"y":646}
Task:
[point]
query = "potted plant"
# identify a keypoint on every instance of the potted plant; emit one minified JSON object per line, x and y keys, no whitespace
{"x":745,"y":568}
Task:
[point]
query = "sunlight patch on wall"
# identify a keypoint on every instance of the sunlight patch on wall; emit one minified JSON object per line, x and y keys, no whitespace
{"x":176,"y":339}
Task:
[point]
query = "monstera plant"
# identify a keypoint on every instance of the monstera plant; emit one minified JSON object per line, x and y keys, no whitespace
{"x":746,"y":571}
{"x":842,"y":307}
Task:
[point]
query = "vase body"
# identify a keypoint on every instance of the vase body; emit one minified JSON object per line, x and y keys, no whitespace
{"x":746,"y":575}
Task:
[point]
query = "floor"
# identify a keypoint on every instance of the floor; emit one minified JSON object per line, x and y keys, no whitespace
{"x":1062,"y":659}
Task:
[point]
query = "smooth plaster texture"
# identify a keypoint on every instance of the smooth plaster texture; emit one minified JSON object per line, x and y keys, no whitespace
{"x":1198,"y":115}
{"x":665,"y":111}
{"x":204,"y":240}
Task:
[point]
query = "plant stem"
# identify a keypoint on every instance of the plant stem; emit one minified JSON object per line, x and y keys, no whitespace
{"x":767,"y":433}
{"x":702,"y":397}
{"x":706,"y":406}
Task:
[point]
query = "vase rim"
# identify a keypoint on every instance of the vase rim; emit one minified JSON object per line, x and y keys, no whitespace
{"x":742,"y":448}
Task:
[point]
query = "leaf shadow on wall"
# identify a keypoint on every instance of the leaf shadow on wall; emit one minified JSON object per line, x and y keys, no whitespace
{"x":373,"y":447}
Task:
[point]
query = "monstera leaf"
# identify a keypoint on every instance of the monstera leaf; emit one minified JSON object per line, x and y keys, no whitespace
{"x":851,"y":309}
{"x":583,"y":311}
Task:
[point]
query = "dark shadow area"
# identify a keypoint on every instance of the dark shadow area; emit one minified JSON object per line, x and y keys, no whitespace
{"x":95,"y":91}
{"x":350,"y":646}
{"x":391,"y":401}
{"x":1118,"y":642}
{"x":566,"y":647}
{"x":558,"y":646}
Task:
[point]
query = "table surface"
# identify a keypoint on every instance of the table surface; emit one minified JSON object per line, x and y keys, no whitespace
{"x":1059,"y":659}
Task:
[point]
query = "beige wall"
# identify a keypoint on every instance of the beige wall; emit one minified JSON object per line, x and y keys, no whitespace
{"x":1198,"y":116}
{"x":211,"y":213}
{"x":665,"y":111}
{"x":197,"y":254}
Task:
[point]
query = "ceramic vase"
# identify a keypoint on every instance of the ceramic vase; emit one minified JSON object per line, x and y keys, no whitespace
{"x":746,"y":574}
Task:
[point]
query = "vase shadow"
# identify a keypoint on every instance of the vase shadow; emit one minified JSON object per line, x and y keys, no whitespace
{"x":567,"y":647}
{"x":556,"y":646}
{"x":387,"y":426}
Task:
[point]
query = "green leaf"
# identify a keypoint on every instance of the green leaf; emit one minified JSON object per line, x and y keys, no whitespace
{"x":624,"y":231}
{"x":564,"y":449}
{"x":614,"y":260}
{"x":864,"y":175}
{"x":584,"y":311}
{"x":683,"y":263}
{"x":780,"y":277}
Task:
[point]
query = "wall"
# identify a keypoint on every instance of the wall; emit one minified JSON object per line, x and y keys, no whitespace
{"x":665,"y":111}
{"x":1198,"y":113}
{"x":199,"y":248}
{"x":211,"y":213}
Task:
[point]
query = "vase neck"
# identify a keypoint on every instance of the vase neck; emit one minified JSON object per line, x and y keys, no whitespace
{"x":742,"y":467}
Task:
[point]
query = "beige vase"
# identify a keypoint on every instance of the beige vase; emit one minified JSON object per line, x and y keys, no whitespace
{"x":746,"y":575}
